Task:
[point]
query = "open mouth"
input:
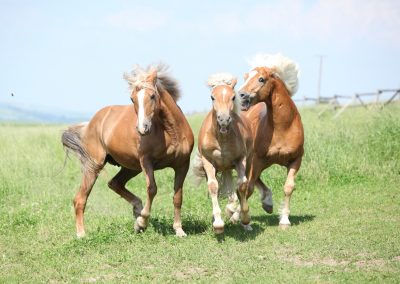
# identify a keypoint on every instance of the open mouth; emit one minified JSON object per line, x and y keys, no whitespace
{"x":223,"y":129}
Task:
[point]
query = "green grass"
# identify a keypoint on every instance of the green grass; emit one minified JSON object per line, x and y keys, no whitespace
{"x":345,"y":215}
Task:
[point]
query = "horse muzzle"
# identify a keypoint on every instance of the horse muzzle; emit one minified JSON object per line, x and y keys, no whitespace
{"x":144,"y":129}
{"x":245,"y":101}
{"x":224,"y":123}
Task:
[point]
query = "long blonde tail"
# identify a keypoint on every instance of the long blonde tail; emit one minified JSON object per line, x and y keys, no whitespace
{"x":225,"y":184}
{"x":198,"y":169}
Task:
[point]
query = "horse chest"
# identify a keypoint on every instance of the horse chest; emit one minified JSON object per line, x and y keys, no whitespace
{"x":223,"y":158}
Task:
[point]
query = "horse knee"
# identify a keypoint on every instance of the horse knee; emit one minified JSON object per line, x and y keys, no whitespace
{"x":213,"y":186}
{"x":289,"y":187}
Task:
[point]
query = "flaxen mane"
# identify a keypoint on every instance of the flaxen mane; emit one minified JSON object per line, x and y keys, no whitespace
{"x":219,"y":79}
{"x":137,"y":78}
{"x":286,"y":68}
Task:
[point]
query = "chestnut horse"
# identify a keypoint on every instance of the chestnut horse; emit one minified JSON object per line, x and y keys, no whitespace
{"x":224,"y":144}
{"x":275,"y":122}
{"x":148,"y":135}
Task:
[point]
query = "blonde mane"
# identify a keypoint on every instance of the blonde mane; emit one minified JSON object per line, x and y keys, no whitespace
{"x":137,"y":78}
{"x":222,"y":79}
{"x":287,"y":69}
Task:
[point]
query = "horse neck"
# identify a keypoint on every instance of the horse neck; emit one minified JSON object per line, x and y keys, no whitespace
{"x":171,"y":116}
{"x":281,"y":111}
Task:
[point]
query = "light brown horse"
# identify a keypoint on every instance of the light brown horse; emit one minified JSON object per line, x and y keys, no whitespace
{"x":148,"y":135}
{"x":275,"y":121}
{"x":224,"y":144}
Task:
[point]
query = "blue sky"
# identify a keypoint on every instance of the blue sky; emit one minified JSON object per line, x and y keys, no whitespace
{"x":71,"y":55}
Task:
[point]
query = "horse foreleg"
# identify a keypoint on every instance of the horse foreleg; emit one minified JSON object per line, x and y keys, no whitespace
{"x":265,"y":196}
{"x":80,"y":199}
{"x":143,"y":220}
{"x":243,"y":193}
{"x":117,"y":184}
{"x":180,"y":175}
{"x":218,"y":224}
{"x":288,"y":189}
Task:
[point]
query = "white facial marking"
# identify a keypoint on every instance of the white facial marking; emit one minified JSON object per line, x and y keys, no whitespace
{"x":141,"y":110}
{"x":251,"y":75}
{"x":223,"y":93}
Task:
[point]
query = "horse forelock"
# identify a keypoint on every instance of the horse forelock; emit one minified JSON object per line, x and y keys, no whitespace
{"x":137,"y":78}
{"x":287,"y":70}
{"x":224,"y":79}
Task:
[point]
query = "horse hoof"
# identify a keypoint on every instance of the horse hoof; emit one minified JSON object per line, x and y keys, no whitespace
{"x":180,"y":233}
{"x":218,"y":230}
{"x":247,"y":227}
{"x":140,"y":225}
{"x":218,"y":226}
{"x":284,"y":226}
{"x":268,"y":208}
{"x":80,"y":235}
{"x":138,"y":229}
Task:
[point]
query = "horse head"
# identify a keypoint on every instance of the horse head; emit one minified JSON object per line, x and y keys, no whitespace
{"x":146,"y":99}
{"x":257,"y":86}
{"x":266,"y":70}
{"x":223,"y":99}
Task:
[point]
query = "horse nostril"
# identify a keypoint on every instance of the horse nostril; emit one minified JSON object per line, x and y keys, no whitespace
{"x":218,"y":117}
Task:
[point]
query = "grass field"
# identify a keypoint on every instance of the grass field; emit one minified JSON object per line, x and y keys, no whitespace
{"x":344,"y":212}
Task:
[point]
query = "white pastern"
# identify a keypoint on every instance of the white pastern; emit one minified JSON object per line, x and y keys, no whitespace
{"x":141,"y":110}
{"x":284,"y":220}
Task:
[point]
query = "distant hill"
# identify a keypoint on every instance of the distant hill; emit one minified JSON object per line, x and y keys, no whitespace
{"x":26,"y":114}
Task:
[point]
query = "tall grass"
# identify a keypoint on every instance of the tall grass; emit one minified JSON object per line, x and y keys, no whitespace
{"x":344,"y":214}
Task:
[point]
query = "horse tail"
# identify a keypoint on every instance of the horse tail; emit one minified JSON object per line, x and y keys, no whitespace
{"x":72,"y":142}
{"x":198,"y":169}
{"x":225,"y":182}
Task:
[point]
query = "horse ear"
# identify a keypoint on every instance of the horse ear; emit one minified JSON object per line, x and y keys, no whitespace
{"x":275,"y":75}
{"x":246,"y":75}
{"x":233,"y":83}
{"x":153,"y":76}
{"x":210,"y":85}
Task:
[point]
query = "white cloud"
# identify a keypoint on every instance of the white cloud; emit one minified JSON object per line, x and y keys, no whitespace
{"x":140,"y":19}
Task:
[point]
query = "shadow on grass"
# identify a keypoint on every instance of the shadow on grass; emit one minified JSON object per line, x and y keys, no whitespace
{"x":237,"y":232}
{"x":164,"y":227}
{"x":273,"y":219}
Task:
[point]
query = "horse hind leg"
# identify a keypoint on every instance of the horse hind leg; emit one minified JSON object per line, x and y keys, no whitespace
{"x":232,"y":209}
{"x":117,"y":184}
{"x":88,"y":180}
{"x":288,"y":190}
{"x":243,"y":195}
{"x":265,"y":196}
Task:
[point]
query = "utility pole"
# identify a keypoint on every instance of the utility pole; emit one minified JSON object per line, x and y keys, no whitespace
{"x":321,"y":59}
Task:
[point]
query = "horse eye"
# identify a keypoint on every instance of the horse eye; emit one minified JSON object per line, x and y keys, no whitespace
{"x":153,"y":96}
{"x":212,"y":98}
{"x":234,"y":97}
{"x":261,"y":80}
